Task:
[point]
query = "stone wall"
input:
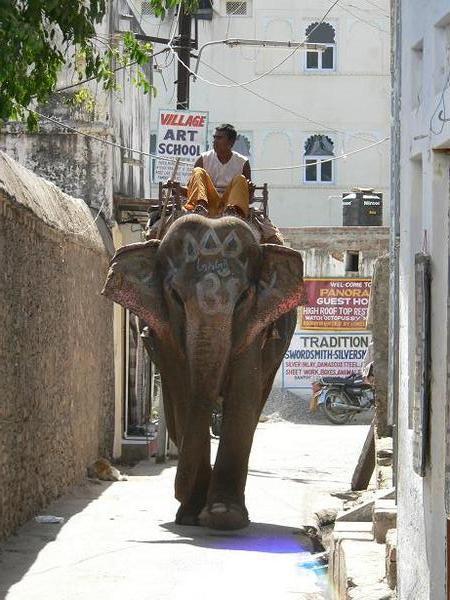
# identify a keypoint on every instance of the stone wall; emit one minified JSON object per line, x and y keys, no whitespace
{"x":324,"y":249}
{"x":56,"y":345}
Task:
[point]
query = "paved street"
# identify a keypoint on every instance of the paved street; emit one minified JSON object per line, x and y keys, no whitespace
{"x":119,"y":540}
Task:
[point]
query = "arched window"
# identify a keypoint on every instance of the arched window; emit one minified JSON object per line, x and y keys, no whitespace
{"x":319,"y":167}
{"x":242,"y":145}
{"x":321,"y":33}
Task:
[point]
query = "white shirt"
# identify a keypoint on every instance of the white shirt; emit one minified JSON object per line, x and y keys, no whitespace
{"x":223,"y":174}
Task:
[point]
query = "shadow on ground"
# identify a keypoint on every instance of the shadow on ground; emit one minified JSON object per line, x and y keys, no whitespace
{"x":19,"y":552}
{"x":257,"y":537}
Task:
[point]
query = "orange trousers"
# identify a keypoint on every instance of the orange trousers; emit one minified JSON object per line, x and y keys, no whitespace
{"x":201,"y":188}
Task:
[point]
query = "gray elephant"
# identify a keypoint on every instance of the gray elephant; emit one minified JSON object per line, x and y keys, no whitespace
{"x":221,"y":311}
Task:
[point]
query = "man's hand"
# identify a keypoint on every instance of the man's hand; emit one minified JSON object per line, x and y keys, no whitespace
{"x":251,"y":188}
{"x":171,"y":183}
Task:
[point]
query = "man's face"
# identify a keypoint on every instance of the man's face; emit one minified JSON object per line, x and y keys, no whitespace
{"x":221,"y":143}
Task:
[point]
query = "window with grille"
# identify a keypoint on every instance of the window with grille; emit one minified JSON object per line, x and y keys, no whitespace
{"x":238,"y":9}
{"x":318,"y":166}
{"x":321,"y":33}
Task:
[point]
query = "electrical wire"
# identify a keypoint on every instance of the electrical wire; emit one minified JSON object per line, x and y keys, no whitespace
{"x":91,"y":225}
{"x":289,"y":110}
{"x":331,"y":159}
{"x":369,"y":10}
{"x":103,"y":141}
{"x":94,"y":77}
{"x":142,"y":152}
{"x":274,"y":68}
{"x":380,"y":8}
{"x":443,"y":111}
{"x":364,"y":20}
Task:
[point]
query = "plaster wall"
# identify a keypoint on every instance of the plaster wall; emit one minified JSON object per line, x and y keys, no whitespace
{"x":80,"y":165}
{"x":56,"y":347}
{"x":349,"y":104}
{"x":424,"y":202}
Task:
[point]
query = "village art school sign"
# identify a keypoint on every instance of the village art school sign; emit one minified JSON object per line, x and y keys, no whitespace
{"x":181,"y":134}
{"x":331,"y":337}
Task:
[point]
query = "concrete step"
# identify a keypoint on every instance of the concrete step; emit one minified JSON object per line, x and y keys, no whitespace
{"x":357,"y":563}
{"x":363,"y":511}
{"x":391,"y":558}
{"x":384,"y":518}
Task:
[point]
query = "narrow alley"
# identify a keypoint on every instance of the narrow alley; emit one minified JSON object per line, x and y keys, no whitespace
{"x":119,"y":540}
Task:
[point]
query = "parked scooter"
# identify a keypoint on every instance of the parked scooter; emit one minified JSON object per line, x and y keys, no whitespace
{"x":216,"y":418}
{"x":342,"y":398}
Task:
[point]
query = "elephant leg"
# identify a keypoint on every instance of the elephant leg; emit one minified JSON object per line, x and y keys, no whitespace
{"x":273,"y":352}
{"x":191,"y":507}
{"x":226,"y":508}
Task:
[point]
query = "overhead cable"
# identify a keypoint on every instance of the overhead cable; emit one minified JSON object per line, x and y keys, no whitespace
{"x":155,"y":156}
{"x":318,"y":162}
{"x":289,"y":110}
{"x":262,"y":75}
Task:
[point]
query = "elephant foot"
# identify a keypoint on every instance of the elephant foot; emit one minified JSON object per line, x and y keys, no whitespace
{"x":226,"y":517}
{"x":187,"y":517}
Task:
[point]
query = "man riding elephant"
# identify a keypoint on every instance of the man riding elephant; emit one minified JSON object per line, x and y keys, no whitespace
{"x":221,"y":310}
{"x":220,"y":182}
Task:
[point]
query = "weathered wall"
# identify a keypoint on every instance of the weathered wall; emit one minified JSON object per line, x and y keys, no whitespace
{"x":324,"y":248}
{"x":80,"y":166}
{"x":85,"y":164}
{"x":378,"y":323}
{"x":56,"y":346}
{"x":424,"y":186}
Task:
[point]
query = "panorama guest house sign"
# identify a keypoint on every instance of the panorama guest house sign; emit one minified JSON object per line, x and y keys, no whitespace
{"x":331,"y":337}
{"x":181,"y":134}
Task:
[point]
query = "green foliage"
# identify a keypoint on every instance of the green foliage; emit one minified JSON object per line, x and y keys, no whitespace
{"x":161,"y":6}
{"x":35,"y":39}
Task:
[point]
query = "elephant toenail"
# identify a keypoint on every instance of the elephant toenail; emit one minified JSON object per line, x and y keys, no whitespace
{"x":218,"y":507}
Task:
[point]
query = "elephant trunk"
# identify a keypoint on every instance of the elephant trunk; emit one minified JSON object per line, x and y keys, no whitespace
{"x":208,"y":354}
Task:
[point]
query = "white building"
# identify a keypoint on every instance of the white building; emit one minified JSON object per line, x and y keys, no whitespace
{"x":299,"y":106}
{"x":421,"y":183}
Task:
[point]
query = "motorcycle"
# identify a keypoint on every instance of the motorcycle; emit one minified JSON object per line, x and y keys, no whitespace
{"x":342,"y":398}
{"x":217,"y":417}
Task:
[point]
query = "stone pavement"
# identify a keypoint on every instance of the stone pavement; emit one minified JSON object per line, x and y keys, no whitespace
{"x":119,"y":540}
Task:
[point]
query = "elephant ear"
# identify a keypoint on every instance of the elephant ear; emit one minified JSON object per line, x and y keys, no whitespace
{"x":133,"y":283}
{"x":280,"y":289}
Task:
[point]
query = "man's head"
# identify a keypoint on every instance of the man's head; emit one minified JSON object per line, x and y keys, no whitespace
{"x":224,"y":138}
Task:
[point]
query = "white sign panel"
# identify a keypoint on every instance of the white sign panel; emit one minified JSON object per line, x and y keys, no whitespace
{"x":181,"y":134}
{"x":313,"y":355}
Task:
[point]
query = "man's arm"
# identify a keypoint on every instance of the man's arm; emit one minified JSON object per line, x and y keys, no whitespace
{"x":183,"y":189}
{"x":247,"y":173}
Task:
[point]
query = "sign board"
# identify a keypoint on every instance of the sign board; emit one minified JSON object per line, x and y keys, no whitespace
{"x":181,"y":134}
{"x":312,"y":355}
{"x":335,"y":304}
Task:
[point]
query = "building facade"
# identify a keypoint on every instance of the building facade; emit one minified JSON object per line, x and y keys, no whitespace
{"x":420,"y":223}
{"x":293,"y":107}
{"x":82,"y":159}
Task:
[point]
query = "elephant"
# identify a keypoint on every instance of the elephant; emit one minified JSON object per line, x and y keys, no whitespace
{"x":221,"y":310}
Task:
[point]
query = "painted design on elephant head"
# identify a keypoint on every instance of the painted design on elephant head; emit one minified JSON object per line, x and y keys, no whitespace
{"x":216,"y":289}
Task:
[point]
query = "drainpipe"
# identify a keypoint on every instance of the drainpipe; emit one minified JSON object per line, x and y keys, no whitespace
{"x":394,"y":246}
